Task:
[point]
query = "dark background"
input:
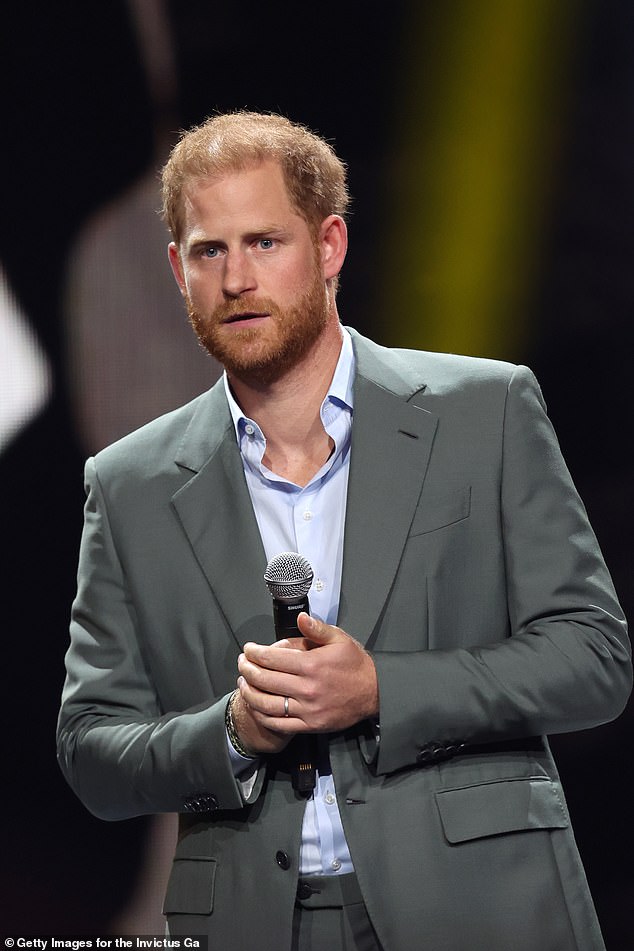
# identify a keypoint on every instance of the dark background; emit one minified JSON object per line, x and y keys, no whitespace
{"x":81,"y":124}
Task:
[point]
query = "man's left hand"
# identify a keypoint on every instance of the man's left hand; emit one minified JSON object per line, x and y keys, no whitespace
{"x":328,"y":678}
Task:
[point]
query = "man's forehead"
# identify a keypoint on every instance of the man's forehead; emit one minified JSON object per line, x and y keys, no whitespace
{"x":257,"y":191}
{"x":267,"y":173}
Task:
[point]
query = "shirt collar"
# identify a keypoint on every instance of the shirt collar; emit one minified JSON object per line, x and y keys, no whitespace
{"x":339,"y":391}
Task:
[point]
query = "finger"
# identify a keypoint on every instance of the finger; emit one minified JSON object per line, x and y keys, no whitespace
{"x":267,"y":680}
{"x":318,"y":631}
{"x":272,"y":658}
{"x":293,"y":643}
{"x":275,"y":712}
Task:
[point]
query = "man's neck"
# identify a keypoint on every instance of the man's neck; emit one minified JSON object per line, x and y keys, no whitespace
{"x":288,"y":410}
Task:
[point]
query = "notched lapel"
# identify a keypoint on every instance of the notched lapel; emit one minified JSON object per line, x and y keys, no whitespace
{"x":215,"y":511}
{"x":391,"y":445}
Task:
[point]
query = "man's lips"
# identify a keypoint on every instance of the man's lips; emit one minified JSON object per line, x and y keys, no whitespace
{"x":246,"y":316}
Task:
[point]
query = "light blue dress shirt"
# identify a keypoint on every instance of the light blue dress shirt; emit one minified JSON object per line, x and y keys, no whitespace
{"x":308,"y":520}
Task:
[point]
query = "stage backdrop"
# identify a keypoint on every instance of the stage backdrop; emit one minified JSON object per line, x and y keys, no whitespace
{"x":490,"y":147}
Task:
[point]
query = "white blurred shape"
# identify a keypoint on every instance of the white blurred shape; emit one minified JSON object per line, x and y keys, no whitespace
{"x":26,"y":380}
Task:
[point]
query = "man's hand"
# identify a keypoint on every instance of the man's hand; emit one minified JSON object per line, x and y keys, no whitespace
{"x":329,"y":679}
{"x":255,"y":737}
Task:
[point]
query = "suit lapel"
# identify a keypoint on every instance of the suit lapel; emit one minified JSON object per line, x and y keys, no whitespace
{"x":215,"y":511}
{"x":391,"y":444}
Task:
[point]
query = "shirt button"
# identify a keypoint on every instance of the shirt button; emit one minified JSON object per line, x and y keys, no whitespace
{"x":249,"y":429}
{"x":308,"y":516}
{"x":335,"y":865}
{"x":329,"y":798}
{"x":319,"y":585}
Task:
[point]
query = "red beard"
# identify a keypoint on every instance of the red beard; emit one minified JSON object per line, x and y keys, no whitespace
{"x":265,"y":352}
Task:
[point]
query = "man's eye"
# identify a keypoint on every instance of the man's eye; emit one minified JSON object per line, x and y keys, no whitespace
{"x":266,"y":243}
{"x":210,"y":252}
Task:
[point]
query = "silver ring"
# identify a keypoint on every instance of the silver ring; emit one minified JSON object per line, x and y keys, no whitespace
{"x":285,"y":706}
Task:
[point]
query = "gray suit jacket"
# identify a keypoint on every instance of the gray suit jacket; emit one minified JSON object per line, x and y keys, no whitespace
{"x":472,"y":575}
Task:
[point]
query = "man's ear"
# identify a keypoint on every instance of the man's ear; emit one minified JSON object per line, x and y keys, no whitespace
{"x":177,"y":267}
{"x":333,"y":241}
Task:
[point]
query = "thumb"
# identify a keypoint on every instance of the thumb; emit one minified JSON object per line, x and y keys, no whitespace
{"x":318,"y":631}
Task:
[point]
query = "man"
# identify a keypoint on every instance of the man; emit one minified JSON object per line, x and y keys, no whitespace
{"x":473,"y":610}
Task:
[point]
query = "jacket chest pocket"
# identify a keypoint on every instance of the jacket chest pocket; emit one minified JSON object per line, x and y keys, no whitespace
{"x":439,"y":510}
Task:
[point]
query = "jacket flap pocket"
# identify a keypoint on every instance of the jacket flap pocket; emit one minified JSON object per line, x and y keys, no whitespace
{"x":190,"y":890}
{"x":472,"y":812}
{"x":441,"y":510}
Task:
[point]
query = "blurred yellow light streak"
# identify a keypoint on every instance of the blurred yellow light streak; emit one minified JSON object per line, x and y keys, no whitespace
{"x":483,"y":89}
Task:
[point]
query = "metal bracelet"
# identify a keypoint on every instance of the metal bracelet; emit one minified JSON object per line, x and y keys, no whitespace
{"x":232,"y":733}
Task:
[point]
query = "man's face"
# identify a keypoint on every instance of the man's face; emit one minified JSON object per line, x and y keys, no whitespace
{"x":250,"y":270}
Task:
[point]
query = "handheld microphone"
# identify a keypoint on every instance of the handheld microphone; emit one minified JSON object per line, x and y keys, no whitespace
{"x":288,"y":577}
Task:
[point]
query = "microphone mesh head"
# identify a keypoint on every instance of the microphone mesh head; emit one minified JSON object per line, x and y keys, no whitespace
{"x":288,"y":576}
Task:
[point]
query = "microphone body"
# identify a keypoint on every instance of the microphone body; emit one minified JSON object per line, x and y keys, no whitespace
{"x":285,"y":617}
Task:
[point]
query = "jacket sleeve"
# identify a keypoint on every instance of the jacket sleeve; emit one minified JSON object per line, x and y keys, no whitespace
{"x":566,"y":665}
{"x":121,"y":754}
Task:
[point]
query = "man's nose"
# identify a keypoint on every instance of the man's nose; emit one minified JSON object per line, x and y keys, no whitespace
{"x":238,"y":275}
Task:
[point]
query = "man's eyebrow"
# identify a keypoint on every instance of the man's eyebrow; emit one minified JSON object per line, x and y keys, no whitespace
{"x":202,"y":242}
{"x":274,"y":229}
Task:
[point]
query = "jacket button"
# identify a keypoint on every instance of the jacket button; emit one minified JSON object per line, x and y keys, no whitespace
{"x":283,"y":860}
{"x":455,"y":748}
